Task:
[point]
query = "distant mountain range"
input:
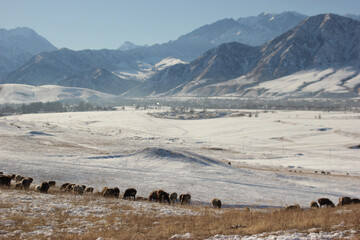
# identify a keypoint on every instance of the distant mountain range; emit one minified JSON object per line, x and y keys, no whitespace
{"x":320,"y":42}
{"x":18,"y":45}
{"x":130,"y":46}
{"x":228,"y":57}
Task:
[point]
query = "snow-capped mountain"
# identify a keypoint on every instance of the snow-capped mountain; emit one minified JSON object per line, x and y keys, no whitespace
{"x":321,"y":42}
{"x":18,"y":45}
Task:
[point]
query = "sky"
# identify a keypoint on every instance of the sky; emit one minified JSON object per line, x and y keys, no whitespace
{"x":95,"y":24}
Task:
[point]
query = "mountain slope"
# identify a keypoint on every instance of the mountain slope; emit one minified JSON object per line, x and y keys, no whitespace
{"x":322,"y":41}
{"x":253,"y":31}
{"x":99,"y":80}
{"x":52,"y":67}
{"x":219,"y":64}
{"x":18,"y":45}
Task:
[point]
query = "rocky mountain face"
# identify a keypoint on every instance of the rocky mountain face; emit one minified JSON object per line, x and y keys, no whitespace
{"x":17,"y":46}
{"x":320,"y":42}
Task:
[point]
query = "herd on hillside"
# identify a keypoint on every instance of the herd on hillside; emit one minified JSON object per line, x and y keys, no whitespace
{"x":22,"y":182}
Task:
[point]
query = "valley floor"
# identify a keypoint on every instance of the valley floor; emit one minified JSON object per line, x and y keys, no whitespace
{"x":133,"y":149}
{"x":274,"y":157}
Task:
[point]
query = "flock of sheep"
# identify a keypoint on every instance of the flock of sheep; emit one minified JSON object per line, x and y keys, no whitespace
{"x":327,"y":203}
{"x":161,"y":196}
{"x":22,"y":182}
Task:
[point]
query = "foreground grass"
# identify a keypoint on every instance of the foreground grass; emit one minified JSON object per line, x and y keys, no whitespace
{"x":122,"y":221}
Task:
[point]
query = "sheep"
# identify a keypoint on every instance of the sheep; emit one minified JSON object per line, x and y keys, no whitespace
{"x":216,"y":203}
{"x":314,"y":204}
{"x":130,"y":193}
{"x":79,"y":189}
{"x":163,"y":196}
{"x":70,"y":187}
{"x":63,"y":187}
{"x":173,"y":197}
{"x":44,"y":188}
{"x":325,"y":202}
{"x":153,"y":196}
{"x":293,"y":207}
{"x":344,"y":201}
{"x":37,"y":188}
{"x":185,"y":198}
{"x":111,"y":192}
{"x":19,"y":178}
{"x":89,"y":190}
{"x":52,"y":183}
{"x":25,"y":183}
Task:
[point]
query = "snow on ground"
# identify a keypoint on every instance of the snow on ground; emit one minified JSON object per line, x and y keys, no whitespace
{"x":133,"y":149}
{"x":21,"y":93}
{"x":147,"y":70}
{"x":289,"y":235}
{"x":308,"y":82}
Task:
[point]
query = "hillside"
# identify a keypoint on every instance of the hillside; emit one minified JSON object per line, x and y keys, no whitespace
{"x":20,"y":93}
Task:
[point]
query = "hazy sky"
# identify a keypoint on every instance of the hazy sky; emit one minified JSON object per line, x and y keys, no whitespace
{"x":96,"y":24}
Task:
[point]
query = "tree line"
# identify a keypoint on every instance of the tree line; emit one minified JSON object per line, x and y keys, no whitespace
{"x":49,"y":107}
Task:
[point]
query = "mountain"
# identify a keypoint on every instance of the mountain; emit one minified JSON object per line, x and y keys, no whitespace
{"x":219,"y":64}
{"x":18,"y":45}
{"x":129,"y":46}
{"x":67,"y":67}
{"x":52,"y":67}
{"x":353,"y":16}
{"x":320,"y":42}
{"x":100,"y":80}
{"x":316,"y":44}
{"x":253,"y":31}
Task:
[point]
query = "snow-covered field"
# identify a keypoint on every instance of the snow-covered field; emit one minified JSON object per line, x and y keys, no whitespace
{"x":133,"y":149}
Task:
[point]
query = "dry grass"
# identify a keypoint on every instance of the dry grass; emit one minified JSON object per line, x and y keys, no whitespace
{"x":230,"y":222}
{"x":123,"y":221}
